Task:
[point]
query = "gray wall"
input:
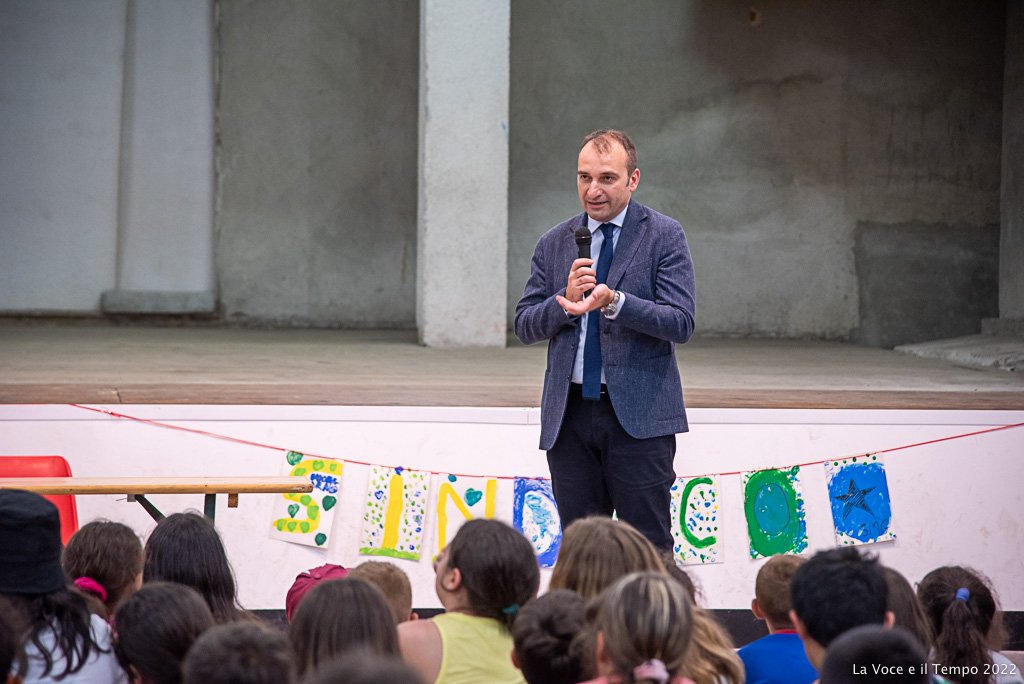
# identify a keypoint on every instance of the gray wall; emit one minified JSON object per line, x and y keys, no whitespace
{"x":809,"y":149}
{"x":60,"y":130}
{"x":1011,"y":273}
{"x":772,"y":138}
{"x":317,"y":124}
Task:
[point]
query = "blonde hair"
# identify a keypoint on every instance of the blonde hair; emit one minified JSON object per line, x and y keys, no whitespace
{"x":596,"y":551}
{"x":645,"y":616}
{"x":712,"y":654}
{"x":393,"y":583}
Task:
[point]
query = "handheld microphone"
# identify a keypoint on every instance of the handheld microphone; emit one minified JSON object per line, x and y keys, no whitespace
{"x":583,"y":240}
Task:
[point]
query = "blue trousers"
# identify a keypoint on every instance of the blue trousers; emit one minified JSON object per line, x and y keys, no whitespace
{"x":597,"y":468}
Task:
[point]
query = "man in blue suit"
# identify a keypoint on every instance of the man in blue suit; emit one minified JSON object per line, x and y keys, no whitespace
{"x":613,"y":401}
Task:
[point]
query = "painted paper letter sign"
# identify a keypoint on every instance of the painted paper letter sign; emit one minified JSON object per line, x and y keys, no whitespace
{"x":535,"y":515}
{"x":774,"y":505}
{"x":307,"y":518}
{"x":695,"y":520}
{"x":396,"y":504}
{"x":459,"y":499}
{"x":859,"y":496}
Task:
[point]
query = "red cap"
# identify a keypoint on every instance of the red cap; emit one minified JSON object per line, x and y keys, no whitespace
{"x":306,"y":581}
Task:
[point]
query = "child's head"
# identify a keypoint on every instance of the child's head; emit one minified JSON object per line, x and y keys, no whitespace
{"x":392,"y":582}
{"x":338,"y":616}
{"x":771,"y":590}
{"x":185,"y":548}
{"x":858,"y":655}
{"x":906,"y":608}
{"x":837,"y":590}
{"x":52,"y":617}
{"x":545,"y":638}
{"x":155,"y":628}
{"x":30,"y":544}
{"x":712,"y":654}
{"x":961,"y":607}
{"x":643,"y":625}
{"x":304,"y":583}
{"x":244,"y":651}
{"x":597,"y":551}
{"x":494,"y":565}
{"x":104,"y":558}
{"x":365,"y":668}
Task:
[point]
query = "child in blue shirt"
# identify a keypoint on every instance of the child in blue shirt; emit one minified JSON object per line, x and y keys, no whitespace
{"x":779,"y":657}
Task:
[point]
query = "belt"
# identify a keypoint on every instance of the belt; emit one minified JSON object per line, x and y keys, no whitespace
{"x":576,"y":391}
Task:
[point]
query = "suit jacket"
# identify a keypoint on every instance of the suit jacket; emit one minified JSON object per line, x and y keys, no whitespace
{"x":652,"y":266}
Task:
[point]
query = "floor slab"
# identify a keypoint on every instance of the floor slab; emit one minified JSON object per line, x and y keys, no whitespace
{"x":219,"y":365}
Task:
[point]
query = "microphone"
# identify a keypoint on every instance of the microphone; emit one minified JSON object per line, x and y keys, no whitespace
{"x":583,"y":240}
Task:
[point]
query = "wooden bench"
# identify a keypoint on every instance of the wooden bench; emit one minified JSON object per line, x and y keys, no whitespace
{"x":138,"y":488}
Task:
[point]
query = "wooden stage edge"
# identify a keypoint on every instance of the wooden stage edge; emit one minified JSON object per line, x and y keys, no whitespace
{"x":517,"y":396}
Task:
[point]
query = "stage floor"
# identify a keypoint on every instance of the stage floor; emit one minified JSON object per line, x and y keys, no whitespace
{"x":108,"y":364}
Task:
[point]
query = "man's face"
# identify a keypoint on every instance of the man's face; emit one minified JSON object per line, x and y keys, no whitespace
{"x":602,"y":181}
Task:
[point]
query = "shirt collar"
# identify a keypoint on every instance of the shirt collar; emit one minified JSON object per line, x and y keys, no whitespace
{"x":618,"y":220}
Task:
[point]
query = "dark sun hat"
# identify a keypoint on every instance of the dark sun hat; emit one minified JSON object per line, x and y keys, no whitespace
{"x":29,"y":544}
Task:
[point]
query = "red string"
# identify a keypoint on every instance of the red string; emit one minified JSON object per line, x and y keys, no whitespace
{"x":237,"y":440}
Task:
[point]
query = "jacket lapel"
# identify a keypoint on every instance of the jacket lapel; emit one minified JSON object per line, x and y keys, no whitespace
{"x":634,"y":227}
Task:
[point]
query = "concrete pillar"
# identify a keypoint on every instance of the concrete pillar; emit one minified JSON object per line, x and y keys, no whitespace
{"x":165,"y":222}
{"x":1011,"y":244}
{"x":463,"y":173}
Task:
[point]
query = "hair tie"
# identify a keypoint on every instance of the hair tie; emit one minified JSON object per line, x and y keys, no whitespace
{"x":652,"y":669}
{"x":511,"y":610}
{"x":962,"y":594}
{"x":92,"y":586}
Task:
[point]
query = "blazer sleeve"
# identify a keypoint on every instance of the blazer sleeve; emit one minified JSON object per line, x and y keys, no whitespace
{"x":671,"y":314}
{"x":539,"y":316}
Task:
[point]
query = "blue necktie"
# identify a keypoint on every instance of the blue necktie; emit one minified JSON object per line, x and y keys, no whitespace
{"x":592,"y":346}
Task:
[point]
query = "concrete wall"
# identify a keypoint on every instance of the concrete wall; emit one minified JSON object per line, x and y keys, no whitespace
{"x":1011,"y":267}
{"x":771,"y":135}
{"x":60,"y":128}
{"x":317,"y":124}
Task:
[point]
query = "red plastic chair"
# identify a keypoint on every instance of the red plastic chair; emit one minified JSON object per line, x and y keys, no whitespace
{"x":46,"y":466}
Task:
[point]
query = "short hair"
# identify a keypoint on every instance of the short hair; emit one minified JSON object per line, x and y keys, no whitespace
{"x":156,"y":626}
{"x":771,"y":588}
{"x":645,"y":616}
{"x":498,"y":567}
{"x":603,"y":139}
{"x":596,"y":551}
{"x":837,"y":590}
{"x":545,"y":638}
{"x":365,"y":668}
{"x":906,"y":608}
{"x":245,"y":651}
{"x":186,"y":548}
{"x":109,"y":553}
{"x":392,"y":582}
{"x":873,"y":647}
{"x":338,"y":616}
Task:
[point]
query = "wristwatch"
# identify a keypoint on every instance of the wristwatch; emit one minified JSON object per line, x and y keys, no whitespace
{"x":613,"y":307}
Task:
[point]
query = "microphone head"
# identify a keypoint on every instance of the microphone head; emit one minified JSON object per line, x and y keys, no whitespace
{"x":583,"y":236}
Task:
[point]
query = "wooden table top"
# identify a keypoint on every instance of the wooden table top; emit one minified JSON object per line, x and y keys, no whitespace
{"x":157,"y":485}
